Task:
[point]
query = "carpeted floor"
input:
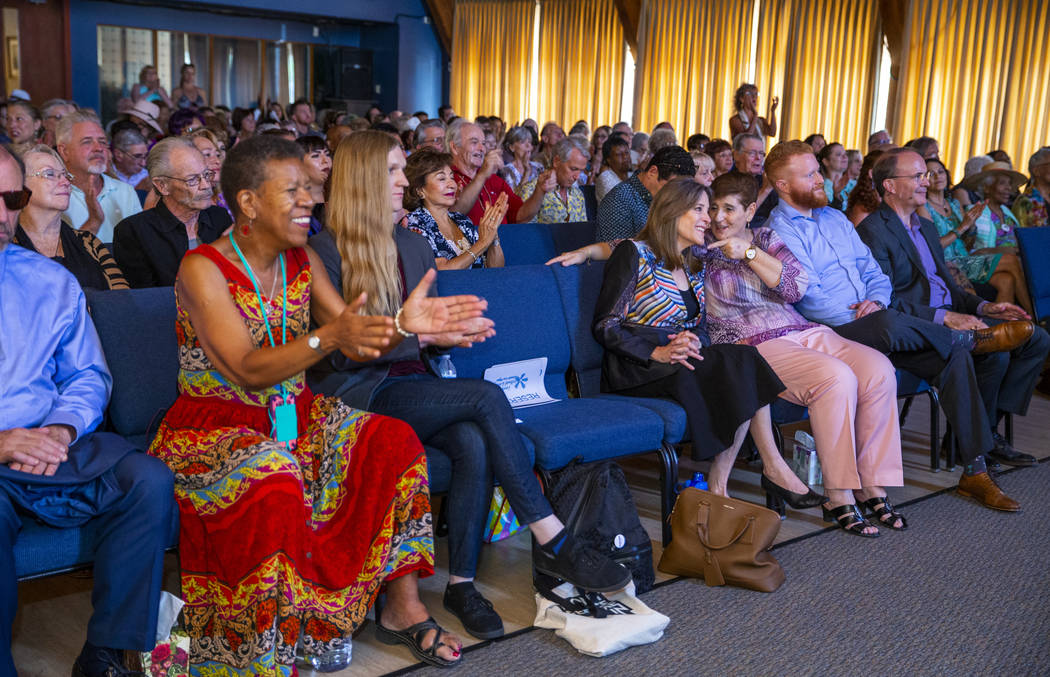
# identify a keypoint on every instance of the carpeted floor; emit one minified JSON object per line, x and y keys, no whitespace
{"x":965,"y":591}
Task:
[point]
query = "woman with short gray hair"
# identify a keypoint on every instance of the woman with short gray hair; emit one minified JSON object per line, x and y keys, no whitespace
{"x":522,"y":169}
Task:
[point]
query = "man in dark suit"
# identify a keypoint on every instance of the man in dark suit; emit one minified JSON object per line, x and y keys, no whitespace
{"x":908,"y":251}
{"x":149,"y":246}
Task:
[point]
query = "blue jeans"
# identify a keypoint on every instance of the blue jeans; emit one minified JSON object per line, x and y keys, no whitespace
{"x":129,"y":561}
{"x":471,"y":421}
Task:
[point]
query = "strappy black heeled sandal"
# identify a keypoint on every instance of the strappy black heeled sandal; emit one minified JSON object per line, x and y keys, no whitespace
{"x":882,"y":510}
{"x":849,"y":519}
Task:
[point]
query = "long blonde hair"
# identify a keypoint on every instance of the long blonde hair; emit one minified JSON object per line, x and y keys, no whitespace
{"x":362,"y":221}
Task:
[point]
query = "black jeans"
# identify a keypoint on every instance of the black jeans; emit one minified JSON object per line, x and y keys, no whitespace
{"x":472,"y":422}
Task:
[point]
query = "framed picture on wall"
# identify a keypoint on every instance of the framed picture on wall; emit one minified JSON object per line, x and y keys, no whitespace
{"x":11,"y":43}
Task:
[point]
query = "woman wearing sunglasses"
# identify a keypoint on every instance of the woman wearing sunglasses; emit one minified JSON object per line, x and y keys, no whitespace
{"x":40,"y":227}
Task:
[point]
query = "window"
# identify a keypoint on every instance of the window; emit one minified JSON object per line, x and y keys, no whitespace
{"x":233,"y":71}
{"x":288,"y":71}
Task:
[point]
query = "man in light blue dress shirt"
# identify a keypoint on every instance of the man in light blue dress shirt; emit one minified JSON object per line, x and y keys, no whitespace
{"x":849,"y":291}
{"x":54,"y":386}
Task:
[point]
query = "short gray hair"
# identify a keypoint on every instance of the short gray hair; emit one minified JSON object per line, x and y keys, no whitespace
{"x":126,"y":138}
{"x":64,"y":132}
{"x":43,"y":149}
{"x":661,"y":138}
{"x":454,"y":133}
{"x":639,"y":140}
{"x":563,"y":149}
{"x":432,"y":123}
{"x":55,"y":103}
{"x":975,"y":164}
{"x":159,"y":161}
{"x":739,"y":139}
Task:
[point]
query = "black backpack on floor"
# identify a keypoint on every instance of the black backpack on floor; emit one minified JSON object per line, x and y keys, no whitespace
{"x":594,"y":503}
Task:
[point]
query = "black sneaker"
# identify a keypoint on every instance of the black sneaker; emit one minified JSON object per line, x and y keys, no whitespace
{"x":474,"y":611}
{"x":96,"y":661}
{"x":583,"y":567}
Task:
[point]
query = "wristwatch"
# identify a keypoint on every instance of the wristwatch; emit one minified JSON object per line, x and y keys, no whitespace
{"x":314,"y":341}
{"x":750,"y":253}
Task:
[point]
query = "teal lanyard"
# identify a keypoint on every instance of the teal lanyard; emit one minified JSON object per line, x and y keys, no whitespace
{"x":262,"y":306}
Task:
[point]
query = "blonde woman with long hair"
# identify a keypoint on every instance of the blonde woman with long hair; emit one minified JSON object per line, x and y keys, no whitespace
{"x":469,"y":420}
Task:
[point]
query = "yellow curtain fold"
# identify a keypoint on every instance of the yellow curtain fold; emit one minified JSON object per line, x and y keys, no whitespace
{"x":976,"y":76}
{"x":821,"y":58}
{"x":691,"y":58}
{"x":580,"y":69}
{"x":492,"y":57}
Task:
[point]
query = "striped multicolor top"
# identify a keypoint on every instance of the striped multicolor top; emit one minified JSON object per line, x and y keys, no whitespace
{"x":657,"y":301}
{"x":742,"y":308}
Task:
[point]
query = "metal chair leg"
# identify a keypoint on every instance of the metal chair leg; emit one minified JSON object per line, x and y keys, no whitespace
{"x":906,"y":409}
{"x":935,"y":429}
{"x":1008,"y":420}
{"x":668,"y":479}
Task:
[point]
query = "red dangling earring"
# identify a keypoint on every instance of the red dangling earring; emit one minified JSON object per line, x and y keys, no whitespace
{"x":245,"y":229}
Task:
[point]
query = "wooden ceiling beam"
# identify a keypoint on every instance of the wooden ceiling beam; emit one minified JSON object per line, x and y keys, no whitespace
{"x":441,"y":13}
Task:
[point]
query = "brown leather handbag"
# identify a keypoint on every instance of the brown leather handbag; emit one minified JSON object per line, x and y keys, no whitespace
{"x":722,"y":540}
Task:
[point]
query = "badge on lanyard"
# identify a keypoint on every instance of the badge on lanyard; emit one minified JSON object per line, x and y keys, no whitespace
{"x":281,"y":407}
{"x":285,"y":421}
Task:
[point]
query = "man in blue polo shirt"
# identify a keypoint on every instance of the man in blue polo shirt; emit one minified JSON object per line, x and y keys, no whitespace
{"x":849,"y":291}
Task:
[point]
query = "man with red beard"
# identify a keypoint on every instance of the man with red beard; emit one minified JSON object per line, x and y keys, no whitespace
{"x":849,"y":291}
{"x":97,"y":202}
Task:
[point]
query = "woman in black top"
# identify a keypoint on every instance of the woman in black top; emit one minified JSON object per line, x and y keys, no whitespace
{"x":40,"y":226}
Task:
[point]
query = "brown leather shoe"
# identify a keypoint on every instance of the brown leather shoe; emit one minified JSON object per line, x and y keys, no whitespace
{"x":1002,"y":337}
{"x":983,"y":489}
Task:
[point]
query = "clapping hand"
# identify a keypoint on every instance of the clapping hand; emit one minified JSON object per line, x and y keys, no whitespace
{"x":488,"y":227}
{"x":773,"y":103}
{"x":362,"y":337}
{"x":1005,"y":311}
{"x":970,"y":218}
{"x":493,"y":162}
{"x":424,"y":314}
{"x":547,"y":182}
{"x":683,"y":346}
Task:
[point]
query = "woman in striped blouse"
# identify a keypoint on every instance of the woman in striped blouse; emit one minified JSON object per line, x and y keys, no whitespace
{"x":41,"y":229}
{"x":651,"y":319}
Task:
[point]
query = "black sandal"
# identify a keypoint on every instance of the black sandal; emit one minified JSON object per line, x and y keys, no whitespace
{"x":413,"y":636}
{"x":849,"y":519}
{"x":883,"y":511}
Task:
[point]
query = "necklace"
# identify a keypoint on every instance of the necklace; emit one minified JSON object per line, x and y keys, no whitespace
{"x":251,"y":272}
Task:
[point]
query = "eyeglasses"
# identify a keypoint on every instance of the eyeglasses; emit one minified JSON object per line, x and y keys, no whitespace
{"x":16,"y":199}
{"x":193,"y":181}
{"x":52,"y":175}
{"x":754,"y":153}
{"x":914,"y":177}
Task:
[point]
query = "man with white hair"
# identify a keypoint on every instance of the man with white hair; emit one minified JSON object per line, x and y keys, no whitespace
{"x":480,"y":185}
{"x":97,"y":202}
{"x":564,"y":204}
{"x":149,"y":246}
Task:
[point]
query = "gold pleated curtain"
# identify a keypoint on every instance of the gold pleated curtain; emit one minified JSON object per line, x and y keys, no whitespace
{"x":692,"y":56}
{"x":581,"y":56}
{"x":491,"y":58}
{"x":821,"y":58}
{"x":976,"y":76}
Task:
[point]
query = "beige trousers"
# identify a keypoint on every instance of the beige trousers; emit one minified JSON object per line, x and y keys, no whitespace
{"x":851,"y":392}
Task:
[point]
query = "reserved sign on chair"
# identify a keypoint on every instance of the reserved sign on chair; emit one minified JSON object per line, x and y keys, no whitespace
{"x":522,"y":382}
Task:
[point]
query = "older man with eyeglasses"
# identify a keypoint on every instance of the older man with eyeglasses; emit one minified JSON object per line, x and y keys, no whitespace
{"x":97,"y":202}
{"x":149,"y":246}
{"x":129,"y":159}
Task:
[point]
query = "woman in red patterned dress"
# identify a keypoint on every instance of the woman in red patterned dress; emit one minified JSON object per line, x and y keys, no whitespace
{"x":295,"y":509}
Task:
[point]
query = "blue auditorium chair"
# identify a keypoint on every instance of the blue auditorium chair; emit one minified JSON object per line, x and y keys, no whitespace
{"x":527,"y":243}
{"x":1034,"y":244}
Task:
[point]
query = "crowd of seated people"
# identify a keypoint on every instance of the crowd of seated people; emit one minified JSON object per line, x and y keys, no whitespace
{"x":734,"y":277}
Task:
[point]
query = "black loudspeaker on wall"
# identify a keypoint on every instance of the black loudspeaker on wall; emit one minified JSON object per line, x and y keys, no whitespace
{"x":342,"y":75}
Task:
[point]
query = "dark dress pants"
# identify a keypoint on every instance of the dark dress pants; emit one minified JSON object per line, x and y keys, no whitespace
{"x":925,"y":349}
{"x":1007,"y":380}
{"x":432,"y":406}
{"x":129,"y":560}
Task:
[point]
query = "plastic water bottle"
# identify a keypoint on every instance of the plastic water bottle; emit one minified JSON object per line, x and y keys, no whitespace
{"x":698,"y":481}
{"x":805,"y":461}
{"x":445,"y":367}
{"x":332,"y":660}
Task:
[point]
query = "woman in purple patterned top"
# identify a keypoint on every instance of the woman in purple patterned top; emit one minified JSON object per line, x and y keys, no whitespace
{"x":850,"y":389}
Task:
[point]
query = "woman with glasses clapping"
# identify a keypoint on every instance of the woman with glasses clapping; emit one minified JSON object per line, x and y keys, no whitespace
{"x":149,"y":246}
{"x":40,"y":227}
